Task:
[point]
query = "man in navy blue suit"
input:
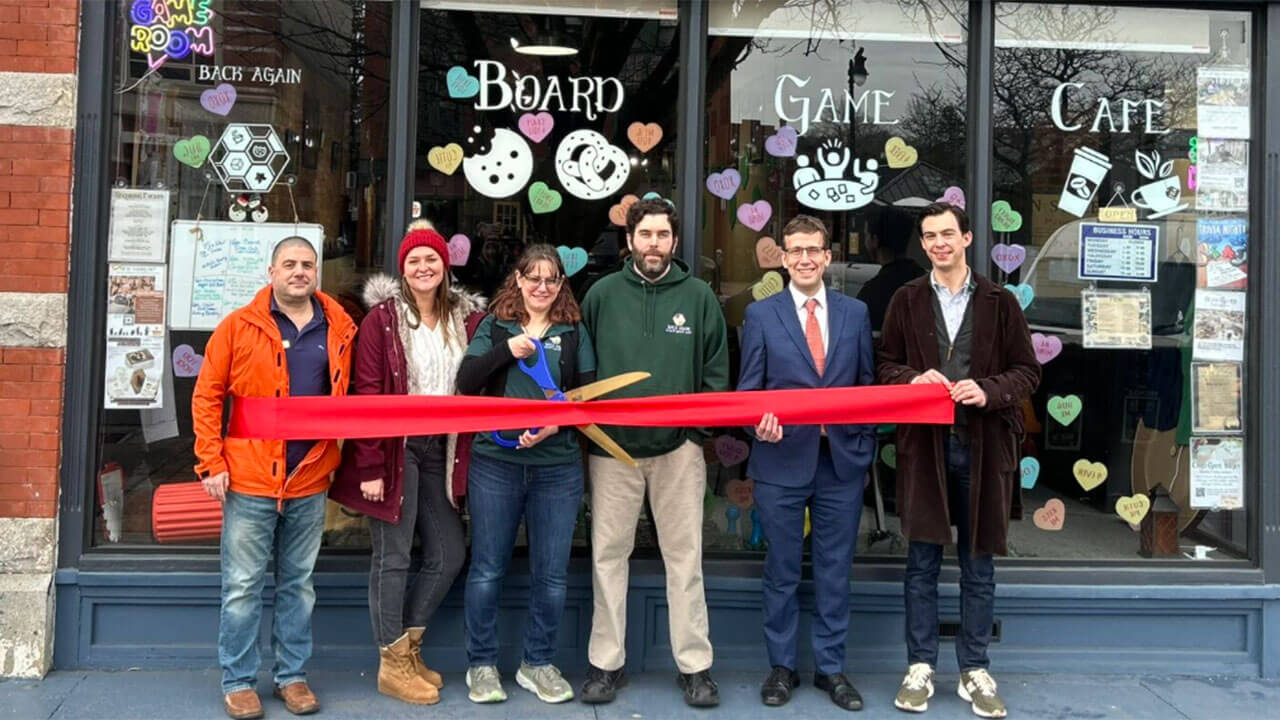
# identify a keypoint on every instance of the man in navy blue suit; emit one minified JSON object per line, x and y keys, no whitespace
{"x":806,"y":337}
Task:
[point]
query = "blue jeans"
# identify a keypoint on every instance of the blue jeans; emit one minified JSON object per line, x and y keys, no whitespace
{"x":500,"y":494}
{"x":252,"y":534}
{"x":977,"y":580}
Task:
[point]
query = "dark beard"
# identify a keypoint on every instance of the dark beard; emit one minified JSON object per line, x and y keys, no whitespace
{"x":642,"y":266}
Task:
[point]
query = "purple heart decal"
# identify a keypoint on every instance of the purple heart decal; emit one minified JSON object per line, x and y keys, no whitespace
{"x":219,"y":100}
{"x":953,"y":195}
{"x":782,"y":143}
{"x":724,"y":183}
{"x":186,"y":361}
{"x":1047,"y":347}
{"x":1008,"y":257}
{"x":731,"y":451}
{"x":755,"y":215}
{"x":459,"y":250}
{"x":536,"y":127}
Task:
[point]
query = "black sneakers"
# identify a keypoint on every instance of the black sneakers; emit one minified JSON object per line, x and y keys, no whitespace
{"x":602,"y":686}
{"x":699,"y":689}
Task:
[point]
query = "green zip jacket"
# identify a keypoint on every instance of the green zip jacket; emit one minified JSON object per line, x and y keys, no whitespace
{"x":674,"y":329}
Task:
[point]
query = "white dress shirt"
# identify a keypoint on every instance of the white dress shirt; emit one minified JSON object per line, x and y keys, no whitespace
{"x":953,"y":304}
{"x":820,"y":311}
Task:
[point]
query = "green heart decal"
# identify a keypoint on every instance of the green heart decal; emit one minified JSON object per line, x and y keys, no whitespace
{"x":1065,"y":409}
{"x":889,"y":454}
{"x":1004,"y":218}
{"x":543,"y":199}
{"x":193,"y":151}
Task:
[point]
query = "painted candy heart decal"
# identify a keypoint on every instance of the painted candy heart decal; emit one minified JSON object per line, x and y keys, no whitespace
{"x":219,"y":99}
{"x":459,"y":250}
{"x":755,"y":215}
{"x":1008,"y":257}
{"x":461,"y":84}
{"x":782,"y":143}
{"x":730,"y":450}
{"x":725,"y":183}
{"x":192,"y":151}
{"x":618,"y":213}
{"x":536,"y":127}
{"x":573,"y":259}
{"x":543,"y":199}
{"x":1047,"y":347}
{"x":644,"y":136}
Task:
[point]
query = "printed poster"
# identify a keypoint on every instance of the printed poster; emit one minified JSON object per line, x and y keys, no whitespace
{"x":139,"y":225}
{"x":1222,"y":176}
{"x":1216,"y":404}
{"x":1222,"y":102}
{"x":1115,"y":319}
{"x":1222,"y":253}
{"x":1219,"y":326}
{"x":1217,"y":472}
{"x":135,"y":365}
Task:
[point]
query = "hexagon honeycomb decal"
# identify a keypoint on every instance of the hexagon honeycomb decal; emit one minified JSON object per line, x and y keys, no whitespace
{"x":249,"y":157}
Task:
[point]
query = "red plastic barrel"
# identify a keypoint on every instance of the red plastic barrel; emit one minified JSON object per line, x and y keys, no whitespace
{"x":183,"y":512}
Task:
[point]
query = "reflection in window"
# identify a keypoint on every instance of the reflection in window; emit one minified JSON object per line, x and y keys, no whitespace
{"x":855,"y":113}
{"x":1125,"y":131}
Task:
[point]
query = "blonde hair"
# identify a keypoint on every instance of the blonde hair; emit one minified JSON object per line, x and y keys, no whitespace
{"x":419,"y":224}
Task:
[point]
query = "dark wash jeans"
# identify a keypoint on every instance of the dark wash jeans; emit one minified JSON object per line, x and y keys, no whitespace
{"x":977,"y":580}
{"x":499,"y":494}
{"x":394,"y":605}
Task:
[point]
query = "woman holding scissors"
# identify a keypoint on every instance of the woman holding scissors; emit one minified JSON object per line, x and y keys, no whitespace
{"x":410,"y":343}
{"x":534,"y":474}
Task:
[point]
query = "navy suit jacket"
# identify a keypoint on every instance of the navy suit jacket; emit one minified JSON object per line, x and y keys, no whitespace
{"x":775,"y":356}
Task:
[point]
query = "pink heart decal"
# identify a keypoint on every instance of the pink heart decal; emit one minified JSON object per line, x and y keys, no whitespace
{"x":755,"y":215}
{"x":953,"y":195}
{"x":725,"y":183}
{"x":459,"y":250}
{"x":219,"y":100}
{"x":1047,"y":347}
{"x":782,"y":143}
{"x":536,"y":127}
{"x":186,"y":361}
{"x":1008,"y":257}
{"x":730,"y":450}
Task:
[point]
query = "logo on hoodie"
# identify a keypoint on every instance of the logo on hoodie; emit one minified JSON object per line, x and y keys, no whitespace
{"x":677,"y":326}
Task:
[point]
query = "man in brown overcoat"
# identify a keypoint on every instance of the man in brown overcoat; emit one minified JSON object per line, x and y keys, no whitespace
{"x":956,"y":328}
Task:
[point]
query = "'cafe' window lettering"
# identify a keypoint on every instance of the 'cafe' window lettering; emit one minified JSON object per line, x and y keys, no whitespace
{"x":589,"y":95}
{"x":871,"y":109}
{"x":1151,"y":109}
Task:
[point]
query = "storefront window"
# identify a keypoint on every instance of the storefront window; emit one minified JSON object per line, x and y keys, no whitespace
{"x":235,"y":124}
{"x":1121,"y":219}
{"x":854,"y":113}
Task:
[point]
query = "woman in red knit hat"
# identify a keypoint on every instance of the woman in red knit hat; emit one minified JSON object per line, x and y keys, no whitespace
{"x":411,"y":342}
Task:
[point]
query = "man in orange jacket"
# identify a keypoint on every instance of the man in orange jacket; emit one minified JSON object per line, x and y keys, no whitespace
{"x":290,"y":340}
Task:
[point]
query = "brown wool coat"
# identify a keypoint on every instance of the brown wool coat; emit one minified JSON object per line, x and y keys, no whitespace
{"x":1005,"y":367}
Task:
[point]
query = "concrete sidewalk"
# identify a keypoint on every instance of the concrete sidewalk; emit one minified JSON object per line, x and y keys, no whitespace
{"x":194,"y":694}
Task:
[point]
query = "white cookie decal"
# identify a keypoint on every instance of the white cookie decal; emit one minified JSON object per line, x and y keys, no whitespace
{"x":504,"y":169}
{"x":589,"y":167}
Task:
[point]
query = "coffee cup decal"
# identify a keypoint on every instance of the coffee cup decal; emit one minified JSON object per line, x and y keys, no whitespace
{"x":1162,"y":195}
{"x":1088,"y":168}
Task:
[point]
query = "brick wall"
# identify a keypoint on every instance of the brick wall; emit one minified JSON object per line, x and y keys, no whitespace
{"x":38,"y":44}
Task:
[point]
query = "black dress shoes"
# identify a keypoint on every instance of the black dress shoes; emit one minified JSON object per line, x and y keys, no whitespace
{"x":842,"y":692}
{"x":699,"y":689}
{"x":777,"y":688}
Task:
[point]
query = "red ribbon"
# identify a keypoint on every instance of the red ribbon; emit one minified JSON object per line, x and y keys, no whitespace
{"x":375,"y":416}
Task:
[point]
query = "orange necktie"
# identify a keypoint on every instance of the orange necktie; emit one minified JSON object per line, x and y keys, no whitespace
{"x":813,"y":336}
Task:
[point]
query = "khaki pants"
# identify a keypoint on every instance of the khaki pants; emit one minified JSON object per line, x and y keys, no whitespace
{"x":676,"y":483}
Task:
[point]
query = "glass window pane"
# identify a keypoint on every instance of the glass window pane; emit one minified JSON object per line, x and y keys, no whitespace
{"x":1122,"y":143}
{"x":854,"y":113}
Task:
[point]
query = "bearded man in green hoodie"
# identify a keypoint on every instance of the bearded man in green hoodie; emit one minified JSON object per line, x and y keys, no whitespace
{"x":653,"y":316}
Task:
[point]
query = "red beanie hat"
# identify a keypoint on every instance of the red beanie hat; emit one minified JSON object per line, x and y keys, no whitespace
{"x":424,"y":238}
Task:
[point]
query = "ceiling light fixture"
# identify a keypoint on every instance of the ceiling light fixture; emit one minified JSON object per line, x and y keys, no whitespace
{"x":545,"y":46}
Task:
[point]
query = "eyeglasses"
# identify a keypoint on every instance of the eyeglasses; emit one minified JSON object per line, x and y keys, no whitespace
{"x":551,"y":283}
{"x":796,"y":253}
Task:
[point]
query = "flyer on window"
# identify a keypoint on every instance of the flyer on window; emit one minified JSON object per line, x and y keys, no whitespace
{"x":1219,"y":325}
{"x":135,"y":359}
{"x":1216,"y":405}
{"x":1217,"y":473}
{"x":1116,"y":319}
{"x":1222,"y":253}
{"x":1222,"y":102}
{"x":139,"y":225}
{"x":1222,"y":175}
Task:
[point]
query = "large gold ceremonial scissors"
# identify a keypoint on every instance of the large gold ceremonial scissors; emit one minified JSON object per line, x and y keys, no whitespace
{"x":541,"y":374}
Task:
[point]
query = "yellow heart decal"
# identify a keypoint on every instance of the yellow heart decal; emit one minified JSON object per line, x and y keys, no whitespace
{"x":445,"y":159}
{"x":899,"y":153}
{"x":1089,"y":474}
{"x":1133,"y":509}
{"x":770,"y":284}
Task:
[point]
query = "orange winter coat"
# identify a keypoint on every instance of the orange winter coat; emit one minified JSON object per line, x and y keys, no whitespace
{"x":245,"y":358}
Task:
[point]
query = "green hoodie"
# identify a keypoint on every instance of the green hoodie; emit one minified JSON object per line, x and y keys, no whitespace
{"x":674,"y":329}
